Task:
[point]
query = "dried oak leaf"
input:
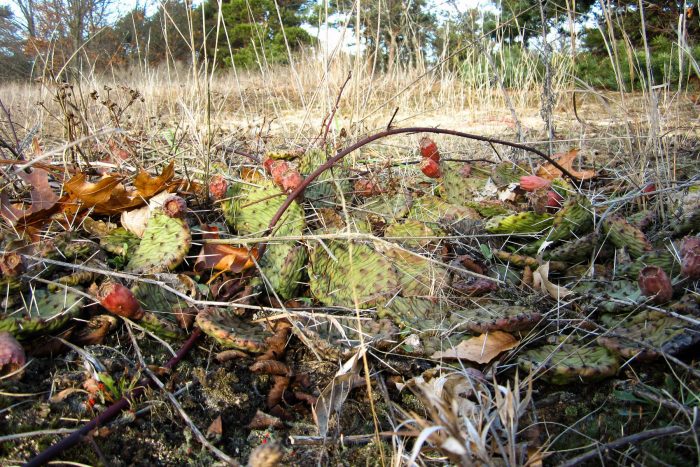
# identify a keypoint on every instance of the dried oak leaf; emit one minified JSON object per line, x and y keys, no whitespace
{"x":148,"y":186}
{"x":225,"y":258}
{"x":109,"y":196}
{"x":566,"y":160}
{"x":480,"y":349}
{"x":45,"y":202}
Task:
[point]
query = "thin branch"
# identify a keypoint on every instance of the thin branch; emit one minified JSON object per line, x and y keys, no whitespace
{"x":625,"y":440}
{"x":327,"y":122}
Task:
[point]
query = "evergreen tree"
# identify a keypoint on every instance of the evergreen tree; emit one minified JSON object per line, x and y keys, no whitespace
{"x":255,"y":31}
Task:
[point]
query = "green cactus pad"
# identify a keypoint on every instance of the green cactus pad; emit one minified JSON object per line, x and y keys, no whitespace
{"x":164,"y":244}
{"x":456,"y":188}
{"x":415,"y":314}
{"x":233,"y":332}
{"x":622,"y":234}
{"x":506,"y":173}
{"x":570,"y":363}
{"x":41,"y":312}
{"x":659,"y":331}
{"x":384,"y":209}
{"x":418,"y":277}
{"x":250,"y":212}
{"x":251,"y":208}
{"x":328,"y":188}
{"x":492,"y":317}
{"x":662,"y":258}
{"x":578,"y":249}
{"x":283,"y":265}
{"x":615,"y":296}
{"x":160,"y":306}
{"x":332,"y":279}
{"x":574,"y":219}
{"x":489,"y":208}
{"x":525,"y":223}
{"x":436,"y":212}
{"x":411,"y":234}
{"x":120,"y":242}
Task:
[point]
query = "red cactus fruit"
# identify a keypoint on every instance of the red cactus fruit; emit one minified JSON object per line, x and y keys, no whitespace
{"x":277,"y":169}
{"x":533,"y":182}
{"x":119,"y":300}
{"x":649,"y":188}
{"x":430,"y":168}
{"x":365,"y":188}
{"x":267,"y":164}
{"x":554,"y":200}
{"x":12,"y":356}
{"x":429,"y":149}
{"x":654,"y":283}
{"x":690,"y":258}
{"x":290,"y":180}
{"x":174,"y":206}
{"x":217,"y":187}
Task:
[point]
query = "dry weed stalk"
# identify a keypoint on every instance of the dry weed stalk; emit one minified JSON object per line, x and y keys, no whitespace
{"x":468,"y":420}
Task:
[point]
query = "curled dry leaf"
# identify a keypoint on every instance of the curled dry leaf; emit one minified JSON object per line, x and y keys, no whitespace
{"x":231,"y":354}
{"x":566,"y":160}
{"x":480,"y":349}
{"x":225,"y":258}
{"x":12,"y":356}
{"x":540,"y":280}
{"x":109,"y":196}
{"x":45,"y":202}
{"x":274,"y":397}
{"x":270,"y":367}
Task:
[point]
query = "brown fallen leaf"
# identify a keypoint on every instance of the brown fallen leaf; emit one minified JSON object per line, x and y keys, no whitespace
{"x":225,"y":258}
{"x":109,"y":196}
{"x":262,"y":421}
{"x":43,"y":196}
{"x":216,"y":428}
{"x":480,"y":349}
{"x":566,"y":160}
{"x":147,"y":186}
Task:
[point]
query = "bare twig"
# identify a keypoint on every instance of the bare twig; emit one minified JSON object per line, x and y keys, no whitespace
{"x":625,"y":440}
{"x":327,"y":121}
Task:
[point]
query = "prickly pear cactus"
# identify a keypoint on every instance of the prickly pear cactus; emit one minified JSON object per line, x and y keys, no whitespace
{"x":662,"y":258}
{"x":160,"y":306}
{"x":527,"y":222}
{"x":330,"y":186}
{"x":250,"y":209}
{"x":578,"y":249}
{"x":164,"y":244}
{"x":488,"y":208}
{"x":411,"y":234}
{"x":120,"y":242}
{"x":570,"y":362}
{"x":417,"y":275}
{"x":506,"y":173}
{"x":42,"y":312}
{"x":283,"y":267}
{"x":660,"y":332}
{"x":575,"y":218}
{"x":249,"y":212}
{"x":232,"y":331}
{"x":436,"y":212}
{"x":493,"y":317}
{"x":336,"y":277}
{"x":622,"y":234}
{"x":687,"y":216}
{"x":384,"y":209}
{"x":457,"y":187}
{"x":615,"y":296}
{"x":414,"y":314}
